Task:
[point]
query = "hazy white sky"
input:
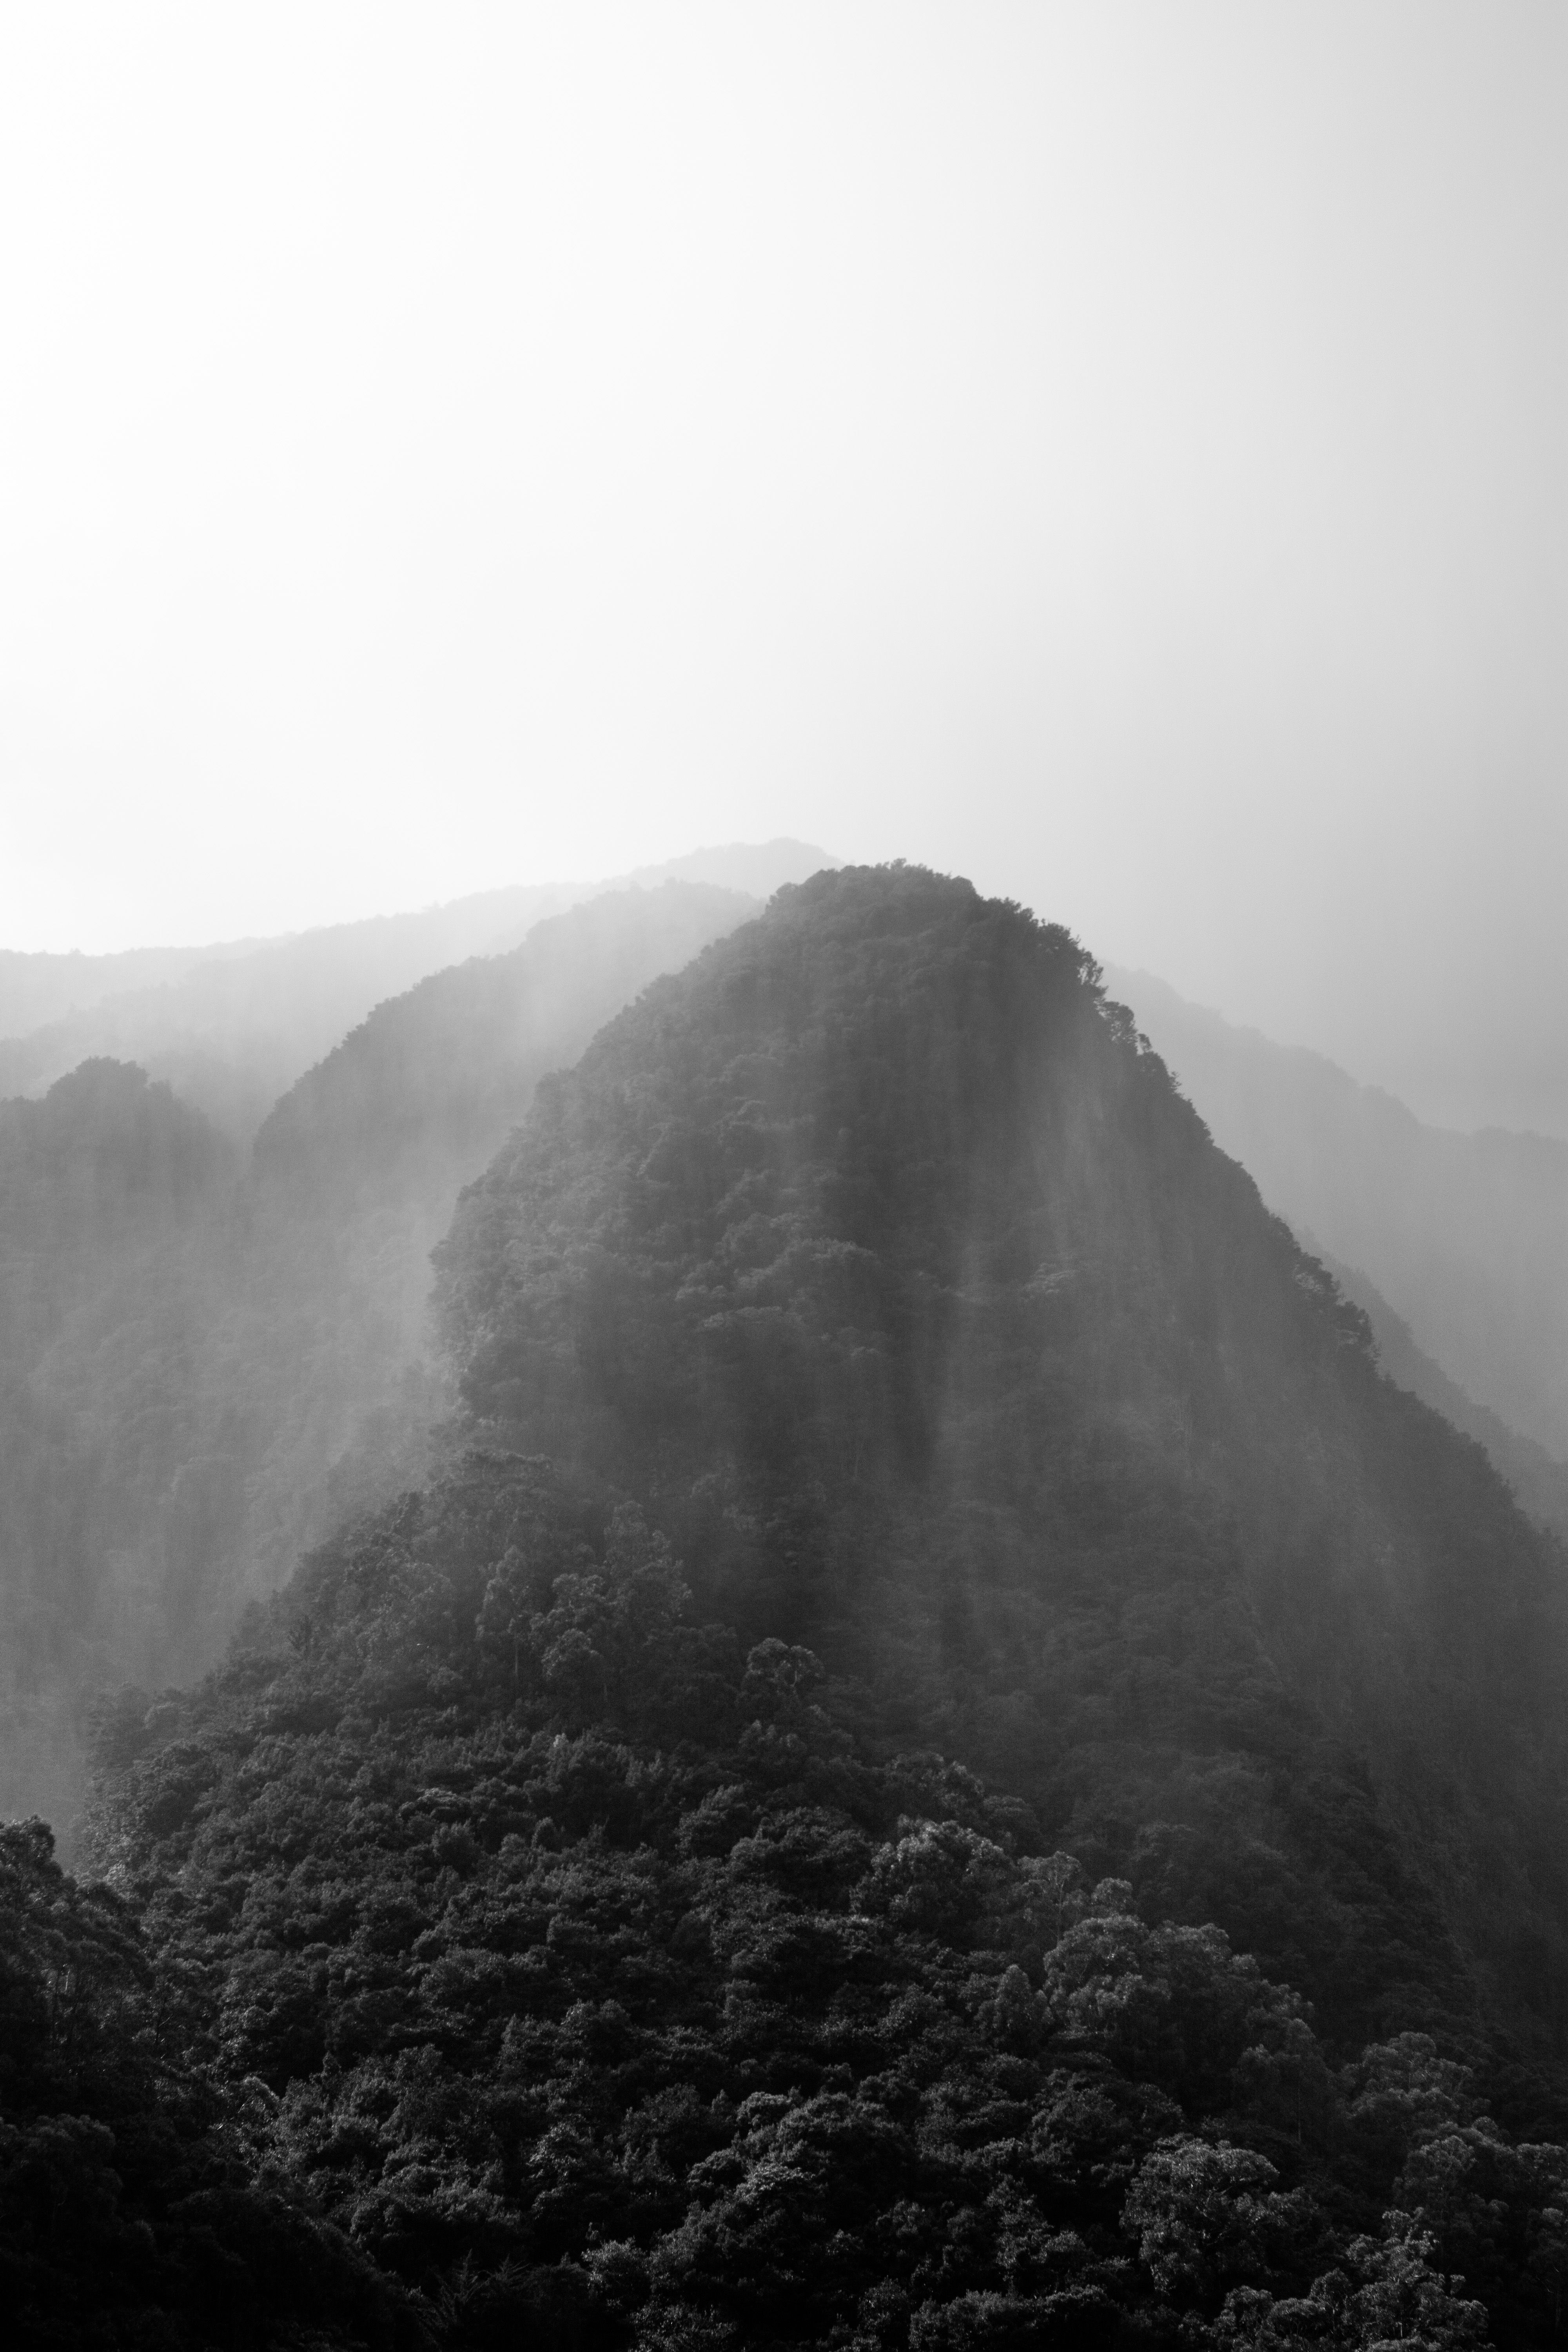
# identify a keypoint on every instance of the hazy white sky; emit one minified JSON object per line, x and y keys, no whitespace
{"x":1115,"y":451}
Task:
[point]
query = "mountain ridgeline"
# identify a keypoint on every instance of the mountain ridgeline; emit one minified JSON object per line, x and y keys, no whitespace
{"x":1539,"y":1479}
{"x":1465,"y":1235}
{"x":936,"y":1761}
{"x":232,"y":1026}
{"x":209,"y":1364}
{"x":878,"y":1261}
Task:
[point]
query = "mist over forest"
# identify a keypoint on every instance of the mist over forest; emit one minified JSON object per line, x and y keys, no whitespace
{"x":216,"y":1326}
{"x":762,"y":1624}
{"x":807,"y":1594}
{"x":1455,"y":1243}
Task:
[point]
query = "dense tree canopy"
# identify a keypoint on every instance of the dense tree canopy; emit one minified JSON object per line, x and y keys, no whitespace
{"x":880,"y":1262}
{"x":554,"y":1965}
{"x":942,"y":1763}
{"x":208,"y":1366}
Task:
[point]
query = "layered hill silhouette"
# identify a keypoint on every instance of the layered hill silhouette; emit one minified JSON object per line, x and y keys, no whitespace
{"x":876,"y":1258}
{"x":1537,"y":1478}
{"x":209,"y":1364}
{"x":941,"y":1761}
{"x":111,"y":1196}
{"x":356,"y":1171}
{"x":1465,"y":1235}
{"x":231,"y":1027}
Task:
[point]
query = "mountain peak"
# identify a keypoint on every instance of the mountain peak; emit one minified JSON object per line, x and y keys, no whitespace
{"x":880,"y":1262}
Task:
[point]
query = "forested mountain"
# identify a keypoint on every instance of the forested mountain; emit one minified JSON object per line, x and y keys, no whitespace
{"x":943,"y":1761}
{"x":40,"y":986}
{"x":206,"y":1367}
{"x":494,"y":1953}
{"x":879,"y":1264}
{"x":356,"y":1173}
{"x":1466,"y":1235}
{"x":111,"y":1195}
{"x":232,"y":1027}
{"x":1536,"y":1477}
{"x":432,"y":1081}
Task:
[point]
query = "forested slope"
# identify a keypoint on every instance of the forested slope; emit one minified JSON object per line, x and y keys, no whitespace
{"x":112,"y":1195}
{"x":207,"y":1367}
{"x":356,"y":1171}
{"x":495,"y":1953}
{"x":231,"y":1027}
{"x":1537,"y":1478}
{"x":951,"y":1766}
{"x":1465,"y":1235}
{"x":878,"y":1261}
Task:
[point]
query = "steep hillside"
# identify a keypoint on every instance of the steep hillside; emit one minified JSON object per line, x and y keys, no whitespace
{"x":574,"y":1914}
{"x":1466,"y":1235}
{"x":874,"y":1258}
{"x":432,"y":1080}
{"x":356,"y":1173}
{"x":1539,"y":1480}
{"x":204,"y":1373}
{"x":111,"y":1193}
{"x":233,"y":1027}
{"x":524,"y":1961}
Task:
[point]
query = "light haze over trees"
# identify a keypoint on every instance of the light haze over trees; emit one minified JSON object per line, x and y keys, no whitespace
{"x":211,"y":1352}
{"x":939,"y":1760}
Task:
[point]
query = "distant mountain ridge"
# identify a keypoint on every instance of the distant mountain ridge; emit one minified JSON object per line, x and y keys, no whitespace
{"x":208,"y":1366}
{"x":1466,"y":1235}
{"x":1536,"y":1477}
{"x":232,"y":1026}
{"x":112,"y":1196}
{"x":355,"y":1174}
{"x":446,"y":1067}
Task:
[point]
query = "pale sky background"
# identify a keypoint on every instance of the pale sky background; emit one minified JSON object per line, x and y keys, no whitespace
{"x":1114,"y":451}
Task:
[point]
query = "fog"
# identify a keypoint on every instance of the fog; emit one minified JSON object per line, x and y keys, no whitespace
{"x":674,"y":1491}
{"x":1111,"y":451}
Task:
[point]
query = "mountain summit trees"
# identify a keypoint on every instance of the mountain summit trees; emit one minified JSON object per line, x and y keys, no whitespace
{"x":877,"y":1259}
